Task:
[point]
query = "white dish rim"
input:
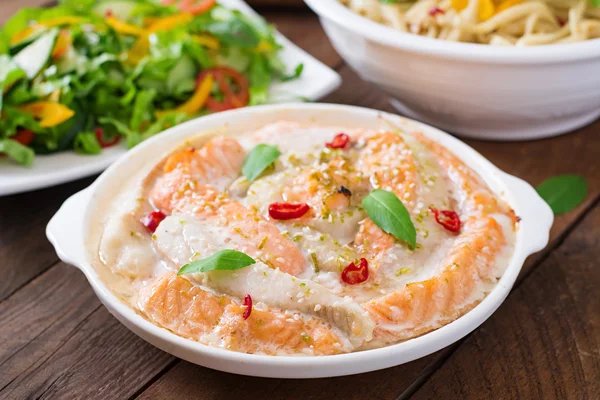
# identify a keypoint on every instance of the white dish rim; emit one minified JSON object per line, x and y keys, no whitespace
{"x":553,"y":53}
{"x":86,"y":165}
{"x":68,"y":224}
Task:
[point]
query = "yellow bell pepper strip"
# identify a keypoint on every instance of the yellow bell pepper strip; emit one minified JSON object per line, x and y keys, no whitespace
{"x":63,"y":41}
{"x":25,"y":33}
{"x":54,"y":97}
{"x":49,"y":23}
{"x":505,"y":5}
{"x":140,"y":49}
{"x":263,"y":47}
{"x":123,"y":27}
{"x":59,"y":21}
{"x":170,"y":22}
{"x":486,"y":8}
{"x":50,"y":114}
{"x":196,"y":102}
{"x":207,"y":41}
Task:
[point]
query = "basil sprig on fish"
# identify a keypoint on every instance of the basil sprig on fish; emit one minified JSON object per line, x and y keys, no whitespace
{"x":388,"y":213}
{"x":224,"y":260}
{"x":563,"y":192}
{"x":259,"y":159}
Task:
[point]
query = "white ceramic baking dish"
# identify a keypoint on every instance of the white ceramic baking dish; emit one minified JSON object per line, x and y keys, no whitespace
{"x":474,"y":90}
{"x":69,"y":229}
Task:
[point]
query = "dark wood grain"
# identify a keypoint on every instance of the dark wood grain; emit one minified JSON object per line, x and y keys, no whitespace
{"x":58,"y":341}
{"x":24,"y":252}
{"x":304,"y":29}
{"x":544,"y":343}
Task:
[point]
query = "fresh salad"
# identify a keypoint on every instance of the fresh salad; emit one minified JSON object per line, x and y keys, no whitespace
{"x":86,"y":74}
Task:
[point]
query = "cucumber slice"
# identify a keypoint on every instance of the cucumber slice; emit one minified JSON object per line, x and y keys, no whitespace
{"x":36,"y":33}
{"x":121,"y":9}
{"x":184,"y":70}
{"x":33,"y":58}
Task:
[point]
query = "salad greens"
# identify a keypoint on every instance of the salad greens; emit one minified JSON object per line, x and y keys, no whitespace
{"x":84,"y":74}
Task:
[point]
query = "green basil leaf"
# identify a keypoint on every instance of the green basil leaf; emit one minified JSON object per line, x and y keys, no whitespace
{"x":388,"y":213}
{"x":259,"y":159}
{"x":563,"y":192}
{"x":220,"y":261}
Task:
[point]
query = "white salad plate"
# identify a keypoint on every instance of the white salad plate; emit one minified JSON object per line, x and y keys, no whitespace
{"x":473,"y":90}
{"x":316,"y":81}
{"x":69,"y":231}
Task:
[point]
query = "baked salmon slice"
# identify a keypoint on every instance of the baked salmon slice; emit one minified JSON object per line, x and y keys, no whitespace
{"x":174,"y":303}
{"x":389,"y":163}
{"x":218,"y":163}
{"x":478,"y":197}
{"x":181,"y":239}
{"x":185,"y":309}
{"x":184,"y":189}
{"x":463,"y":281}
{"x":274,"y":332}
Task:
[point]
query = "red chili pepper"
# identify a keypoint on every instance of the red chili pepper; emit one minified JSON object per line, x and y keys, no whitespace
{"x":24,"y":136}
{"x":196,"y":6}
{"x":340,"y":141}
{"x":152,"y":220}
{"x":192,"y":6}
{"x":248,"y":303}
{"x":227,"y":78}
{"x":354,"y":274}
{"x":436,"y":10}
{"x":106,"y":143}
{"x":284,"y":211}
{"x":448,"y":219}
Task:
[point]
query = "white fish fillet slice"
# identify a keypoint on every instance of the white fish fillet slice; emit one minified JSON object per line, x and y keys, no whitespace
{"x":179,"y":238}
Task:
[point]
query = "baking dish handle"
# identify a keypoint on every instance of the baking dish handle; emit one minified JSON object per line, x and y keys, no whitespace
{"x":65,"y":229}
{"x":536,"y":216}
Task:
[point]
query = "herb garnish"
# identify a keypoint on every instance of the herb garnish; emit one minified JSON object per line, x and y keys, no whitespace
{"x":221,"y":261}
{"x":563,"y":192}
{"x":259,"y":159}
{"x":388,"y":213}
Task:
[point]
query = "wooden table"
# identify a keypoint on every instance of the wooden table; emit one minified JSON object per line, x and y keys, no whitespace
{"x":58,"y":341}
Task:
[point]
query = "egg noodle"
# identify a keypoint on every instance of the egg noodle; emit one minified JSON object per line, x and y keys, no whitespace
{"x":496,"y":22}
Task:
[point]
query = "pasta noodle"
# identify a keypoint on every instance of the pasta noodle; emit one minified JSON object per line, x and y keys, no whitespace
{"x":495,"y":22}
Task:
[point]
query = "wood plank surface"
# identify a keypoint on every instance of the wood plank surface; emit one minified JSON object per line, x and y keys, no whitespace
{"x":544,"y":343}
{"x":22,"y":238}
{"x":58,"y":341}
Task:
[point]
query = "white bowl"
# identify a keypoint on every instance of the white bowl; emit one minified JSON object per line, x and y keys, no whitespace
{"x":68,"y":232}
{"x":474,"y":90}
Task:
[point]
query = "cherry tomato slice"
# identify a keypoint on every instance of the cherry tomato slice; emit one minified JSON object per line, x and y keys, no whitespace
{"x":232,"y":99}
{"x":285,"y":211}
{"x":435,"y":10}
{"x":340,"y":141}
{"x":152,"y":220}
{"x":192,"y":6}
{"x":446,"y":218}
{"x":248,"y":303}
{"x":106,"y":143}
{"x":354,"y":274}
{"x":24,"y":136}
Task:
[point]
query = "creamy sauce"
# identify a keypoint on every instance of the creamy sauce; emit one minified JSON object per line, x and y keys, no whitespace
{"x":296,"y":283}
